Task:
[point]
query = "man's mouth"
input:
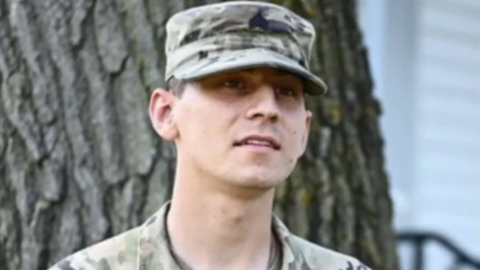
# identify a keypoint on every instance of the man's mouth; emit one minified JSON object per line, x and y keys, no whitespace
{"x":258,"y":140}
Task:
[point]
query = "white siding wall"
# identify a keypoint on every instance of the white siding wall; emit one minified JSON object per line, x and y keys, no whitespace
{"x":426,"y":64}
{"x":447,"y":122}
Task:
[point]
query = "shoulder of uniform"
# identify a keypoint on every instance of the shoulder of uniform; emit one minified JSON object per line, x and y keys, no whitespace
{"x":317,"y":257}
{"x":116,"y":253}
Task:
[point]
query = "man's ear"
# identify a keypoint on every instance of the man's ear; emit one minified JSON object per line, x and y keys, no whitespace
{"x":308,"y":123}
{"x":161,"y":116}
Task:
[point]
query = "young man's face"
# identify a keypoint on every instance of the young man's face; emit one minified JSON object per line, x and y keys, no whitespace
{"x":246,"y":128}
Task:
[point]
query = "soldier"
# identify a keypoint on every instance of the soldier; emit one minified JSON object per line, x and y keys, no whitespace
{"x":237,"y":75}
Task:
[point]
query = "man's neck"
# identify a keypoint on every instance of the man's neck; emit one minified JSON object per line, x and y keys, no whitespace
{"x":212,"y":230}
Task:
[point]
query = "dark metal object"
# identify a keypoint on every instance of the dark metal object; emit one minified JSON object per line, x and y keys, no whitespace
{"x":419,"y":240}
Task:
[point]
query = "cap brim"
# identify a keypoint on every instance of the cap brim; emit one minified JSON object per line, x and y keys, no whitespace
{"x":236,"y":60}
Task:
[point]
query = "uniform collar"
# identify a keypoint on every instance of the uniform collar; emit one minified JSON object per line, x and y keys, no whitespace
{"x":154,"y":252}
{"x":292,"y":258}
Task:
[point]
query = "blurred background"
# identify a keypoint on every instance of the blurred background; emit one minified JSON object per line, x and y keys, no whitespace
{"x":424,"y":55}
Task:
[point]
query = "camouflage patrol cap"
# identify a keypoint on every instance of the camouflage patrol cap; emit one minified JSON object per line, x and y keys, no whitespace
{"x":215,"y":38}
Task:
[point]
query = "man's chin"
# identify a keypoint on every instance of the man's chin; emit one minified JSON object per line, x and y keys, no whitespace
{"x":255,"y":176}
{"x":258,"y":181}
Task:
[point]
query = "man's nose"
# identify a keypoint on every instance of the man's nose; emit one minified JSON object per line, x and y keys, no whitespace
{"x":264,"y":105}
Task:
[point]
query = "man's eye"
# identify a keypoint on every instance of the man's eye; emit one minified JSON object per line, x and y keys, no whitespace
{"x":287,"y":91}
{"x":235,"y":84}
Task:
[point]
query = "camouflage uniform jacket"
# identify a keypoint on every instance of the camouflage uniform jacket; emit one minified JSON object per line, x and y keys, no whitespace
{"x":146,"y":248}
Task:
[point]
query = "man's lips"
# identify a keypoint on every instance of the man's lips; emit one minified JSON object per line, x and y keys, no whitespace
{"x":259,"y":140}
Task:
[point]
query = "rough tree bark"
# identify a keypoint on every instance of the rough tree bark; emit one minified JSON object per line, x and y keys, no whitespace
{"x":79,"y":161}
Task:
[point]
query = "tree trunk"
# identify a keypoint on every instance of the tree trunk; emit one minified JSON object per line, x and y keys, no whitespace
{"x":80,"y":161}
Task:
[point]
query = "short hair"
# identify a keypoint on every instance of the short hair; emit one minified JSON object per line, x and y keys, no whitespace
{"x":176,"y":86}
